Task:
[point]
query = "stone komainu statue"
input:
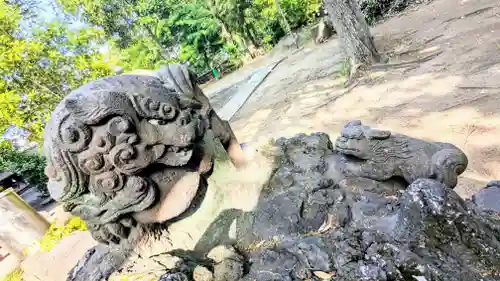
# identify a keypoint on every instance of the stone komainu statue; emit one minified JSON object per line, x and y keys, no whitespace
{"x":116,"y":146}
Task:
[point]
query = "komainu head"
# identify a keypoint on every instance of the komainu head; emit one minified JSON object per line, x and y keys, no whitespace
{"x":107,"y":138}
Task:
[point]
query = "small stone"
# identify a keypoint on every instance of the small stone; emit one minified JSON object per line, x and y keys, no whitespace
{"x":228,"y":270}
{"x":174,"y":277}
{"x":201,"y":273}
{"x":221,"y":253}
{"x":488,"y":198}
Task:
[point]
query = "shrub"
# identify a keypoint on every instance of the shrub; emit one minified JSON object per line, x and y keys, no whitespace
{"x":346,"y":67}
{"x":14,"y":275}
{"x":56,"y":233}
{"x":27,"y":164}
{"x":375,"y":10}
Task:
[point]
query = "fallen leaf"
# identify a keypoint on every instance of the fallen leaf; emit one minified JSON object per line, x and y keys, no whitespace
{"x":322,"y":275}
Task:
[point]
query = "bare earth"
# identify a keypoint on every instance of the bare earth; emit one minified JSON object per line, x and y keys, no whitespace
{"x":452,"y":96}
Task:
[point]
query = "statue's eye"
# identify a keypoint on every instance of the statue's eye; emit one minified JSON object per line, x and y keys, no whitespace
{"x":184,"y":120}
{"x":157,"y":122}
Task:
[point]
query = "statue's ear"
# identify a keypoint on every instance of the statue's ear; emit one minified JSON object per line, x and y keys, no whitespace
{"x":353,"y":123}
{"x":177,"y":77}
{"x":377,"y":134}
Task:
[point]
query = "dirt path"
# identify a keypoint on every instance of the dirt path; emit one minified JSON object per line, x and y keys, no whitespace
{"x":453,"y":97}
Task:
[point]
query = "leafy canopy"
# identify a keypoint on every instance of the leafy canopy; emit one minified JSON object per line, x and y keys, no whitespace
{"x":39,"y":69}
{"x":203,"y":33}
{"x":29,"y":165}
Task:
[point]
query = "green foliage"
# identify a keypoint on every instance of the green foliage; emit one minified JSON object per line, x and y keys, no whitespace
{"x":346,"y":67}
{"x":204,"y":33}
{"x":38,"y":70}
{"x":375,"y":10}
{"x":143,"y":53}
{"x":198,"y":33}
{"x":27,"y":164}
{"x":56,"y":233}
{"x":15,"y":275}
{"x":235,"y":55}
{"x":299,"y":12}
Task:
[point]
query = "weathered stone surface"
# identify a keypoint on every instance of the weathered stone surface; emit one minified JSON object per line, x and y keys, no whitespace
{"x":435,"y":235}
{"x":228,"y":270}
{"x":221,"y":253}
{"x":387,"y":155}
{"x":56,"y":264}
{"x":20,"y":224}
{"x":201,"y":273}
{"x":423,"y":231}
{"x":488,"y":199}
{"x":228,"y":265}
{"x":174,"y":277}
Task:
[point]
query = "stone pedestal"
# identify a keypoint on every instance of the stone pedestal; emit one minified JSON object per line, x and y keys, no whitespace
{"x":20,"y":225}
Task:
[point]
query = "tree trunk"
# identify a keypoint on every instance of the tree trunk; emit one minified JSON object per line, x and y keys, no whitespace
{"x":226,"y":34}
{"x":353,"y":30}
{"x":251,"y":36}
{"x":208,"y":63}
{"x":163,"y":52}
{"x":287,"y":25}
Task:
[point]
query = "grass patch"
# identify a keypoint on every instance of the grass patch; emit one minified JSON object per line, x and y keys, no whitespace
{"x":346,"y":67}
{"x":56,"y":233}
{"x":14,"y":275}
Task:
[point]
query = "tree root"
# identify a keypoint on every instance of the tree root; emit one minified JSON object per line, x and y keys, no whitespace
{"x":473,"y":13}
{"x":406,"y":63}
{"x":355,"y":71}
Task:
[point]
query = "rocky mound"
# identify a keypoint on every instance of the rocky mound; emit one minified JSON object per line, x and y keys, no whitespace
{"x":373,"y":206}
{"x":317,"y":222}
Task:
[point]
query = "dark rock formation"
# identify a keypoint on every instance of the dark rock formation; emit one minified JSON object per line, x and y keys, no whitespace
{"x":378,"y":230}
{"x":488,"y":199}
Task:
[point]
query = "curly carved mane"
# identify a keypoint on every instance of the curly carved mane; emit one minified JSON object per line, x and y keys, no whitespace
{"x":394,"y":147}
{"x":97,"y":149}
